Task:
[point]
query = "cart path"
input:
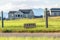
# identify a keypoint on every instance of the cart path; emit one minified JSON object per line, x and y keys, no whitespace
{"x":29,"y":34}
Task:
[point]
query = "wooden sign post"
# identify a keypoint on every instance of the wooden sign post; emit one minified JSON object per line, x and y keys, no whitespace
{"x":46,"y":15}
{"x":2,"y":19}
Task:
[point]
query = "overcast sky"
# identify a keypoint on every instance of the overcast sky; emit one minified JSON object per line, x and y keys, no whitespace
{"x":7,"y":5}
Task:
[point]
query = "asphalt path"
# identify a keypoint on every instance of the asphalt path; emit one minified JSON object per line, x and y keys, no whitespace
{"x":29,"y":34}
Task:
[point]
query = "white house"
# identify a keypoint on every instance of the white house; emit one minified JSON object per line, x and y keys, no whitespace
{"x":22,"y":13}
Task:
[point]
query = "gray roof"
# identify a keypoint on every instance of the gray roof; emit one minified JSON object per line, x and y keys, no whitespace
{"x":55,"y":9}
{"x":25,"y":11}
{"x":12,"y":11}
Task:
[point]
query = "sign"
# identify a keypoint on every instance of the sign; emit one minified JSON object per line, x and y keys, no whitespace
{"x":29,"y":25}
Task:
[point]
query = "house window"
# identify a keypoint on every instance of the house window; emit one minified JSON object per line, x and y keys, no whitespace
{"x":18,"y":15}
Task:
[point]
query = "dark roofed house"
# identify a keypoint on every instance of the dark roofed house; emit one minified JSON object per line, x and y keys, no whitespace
{"x":22,"y":13}
{"x":55,"y":11}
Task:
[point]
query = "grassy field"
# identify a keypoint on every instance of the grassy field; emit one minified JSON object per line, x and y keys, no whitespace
{"x":29,"y":38}
{"x":18,"y":25}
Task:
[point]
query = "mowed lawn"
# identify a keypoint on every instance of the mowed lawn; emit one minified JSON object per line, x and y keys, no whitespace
{"x":29,"y":38}
{"x":18,"y":24}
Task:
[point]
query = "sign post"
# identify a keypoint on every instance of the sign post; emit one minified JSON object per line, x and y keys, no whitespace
{"x":2,"y":19}
{"x":46,"y":14}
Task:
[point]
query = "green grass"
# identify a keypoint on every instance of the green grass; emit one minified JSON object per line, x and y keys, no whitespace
{"x":18,"y":25}
{"x":29,"y":38}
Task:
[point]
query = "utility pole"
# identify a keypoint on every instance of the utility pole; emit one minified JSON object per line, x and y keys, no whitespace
{"x":2,"y":19}
{"x":46,"y":15}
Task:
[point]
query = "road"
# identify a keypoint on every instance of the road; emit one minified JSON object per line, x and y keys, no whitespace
{"x":29,"y":34}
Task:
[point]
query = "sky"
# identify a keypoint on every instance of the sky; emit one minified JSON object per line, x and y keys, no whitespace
{"x":8,"y":5}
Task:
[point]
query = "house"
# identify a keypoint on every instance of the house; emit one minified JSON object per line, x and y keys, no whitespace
{"x":22,"y":13}
{"x":55,"y":11}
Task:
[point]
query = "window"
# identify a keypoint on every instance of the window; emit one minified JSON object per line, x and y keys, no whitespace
{"x":18,"y":15}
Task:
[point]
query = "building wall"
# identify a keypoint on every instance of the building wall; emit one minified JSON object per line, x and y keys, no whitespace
{"x":18,"y":15}
{"x":31,"y":14}
{"x":55,"y":13}
{"x":52,"y":14}
{"x":11,"y":16}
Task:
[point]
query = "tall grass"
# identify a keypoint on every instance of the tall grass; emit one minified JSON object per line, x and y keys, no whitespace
{"x":18,"y":24}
